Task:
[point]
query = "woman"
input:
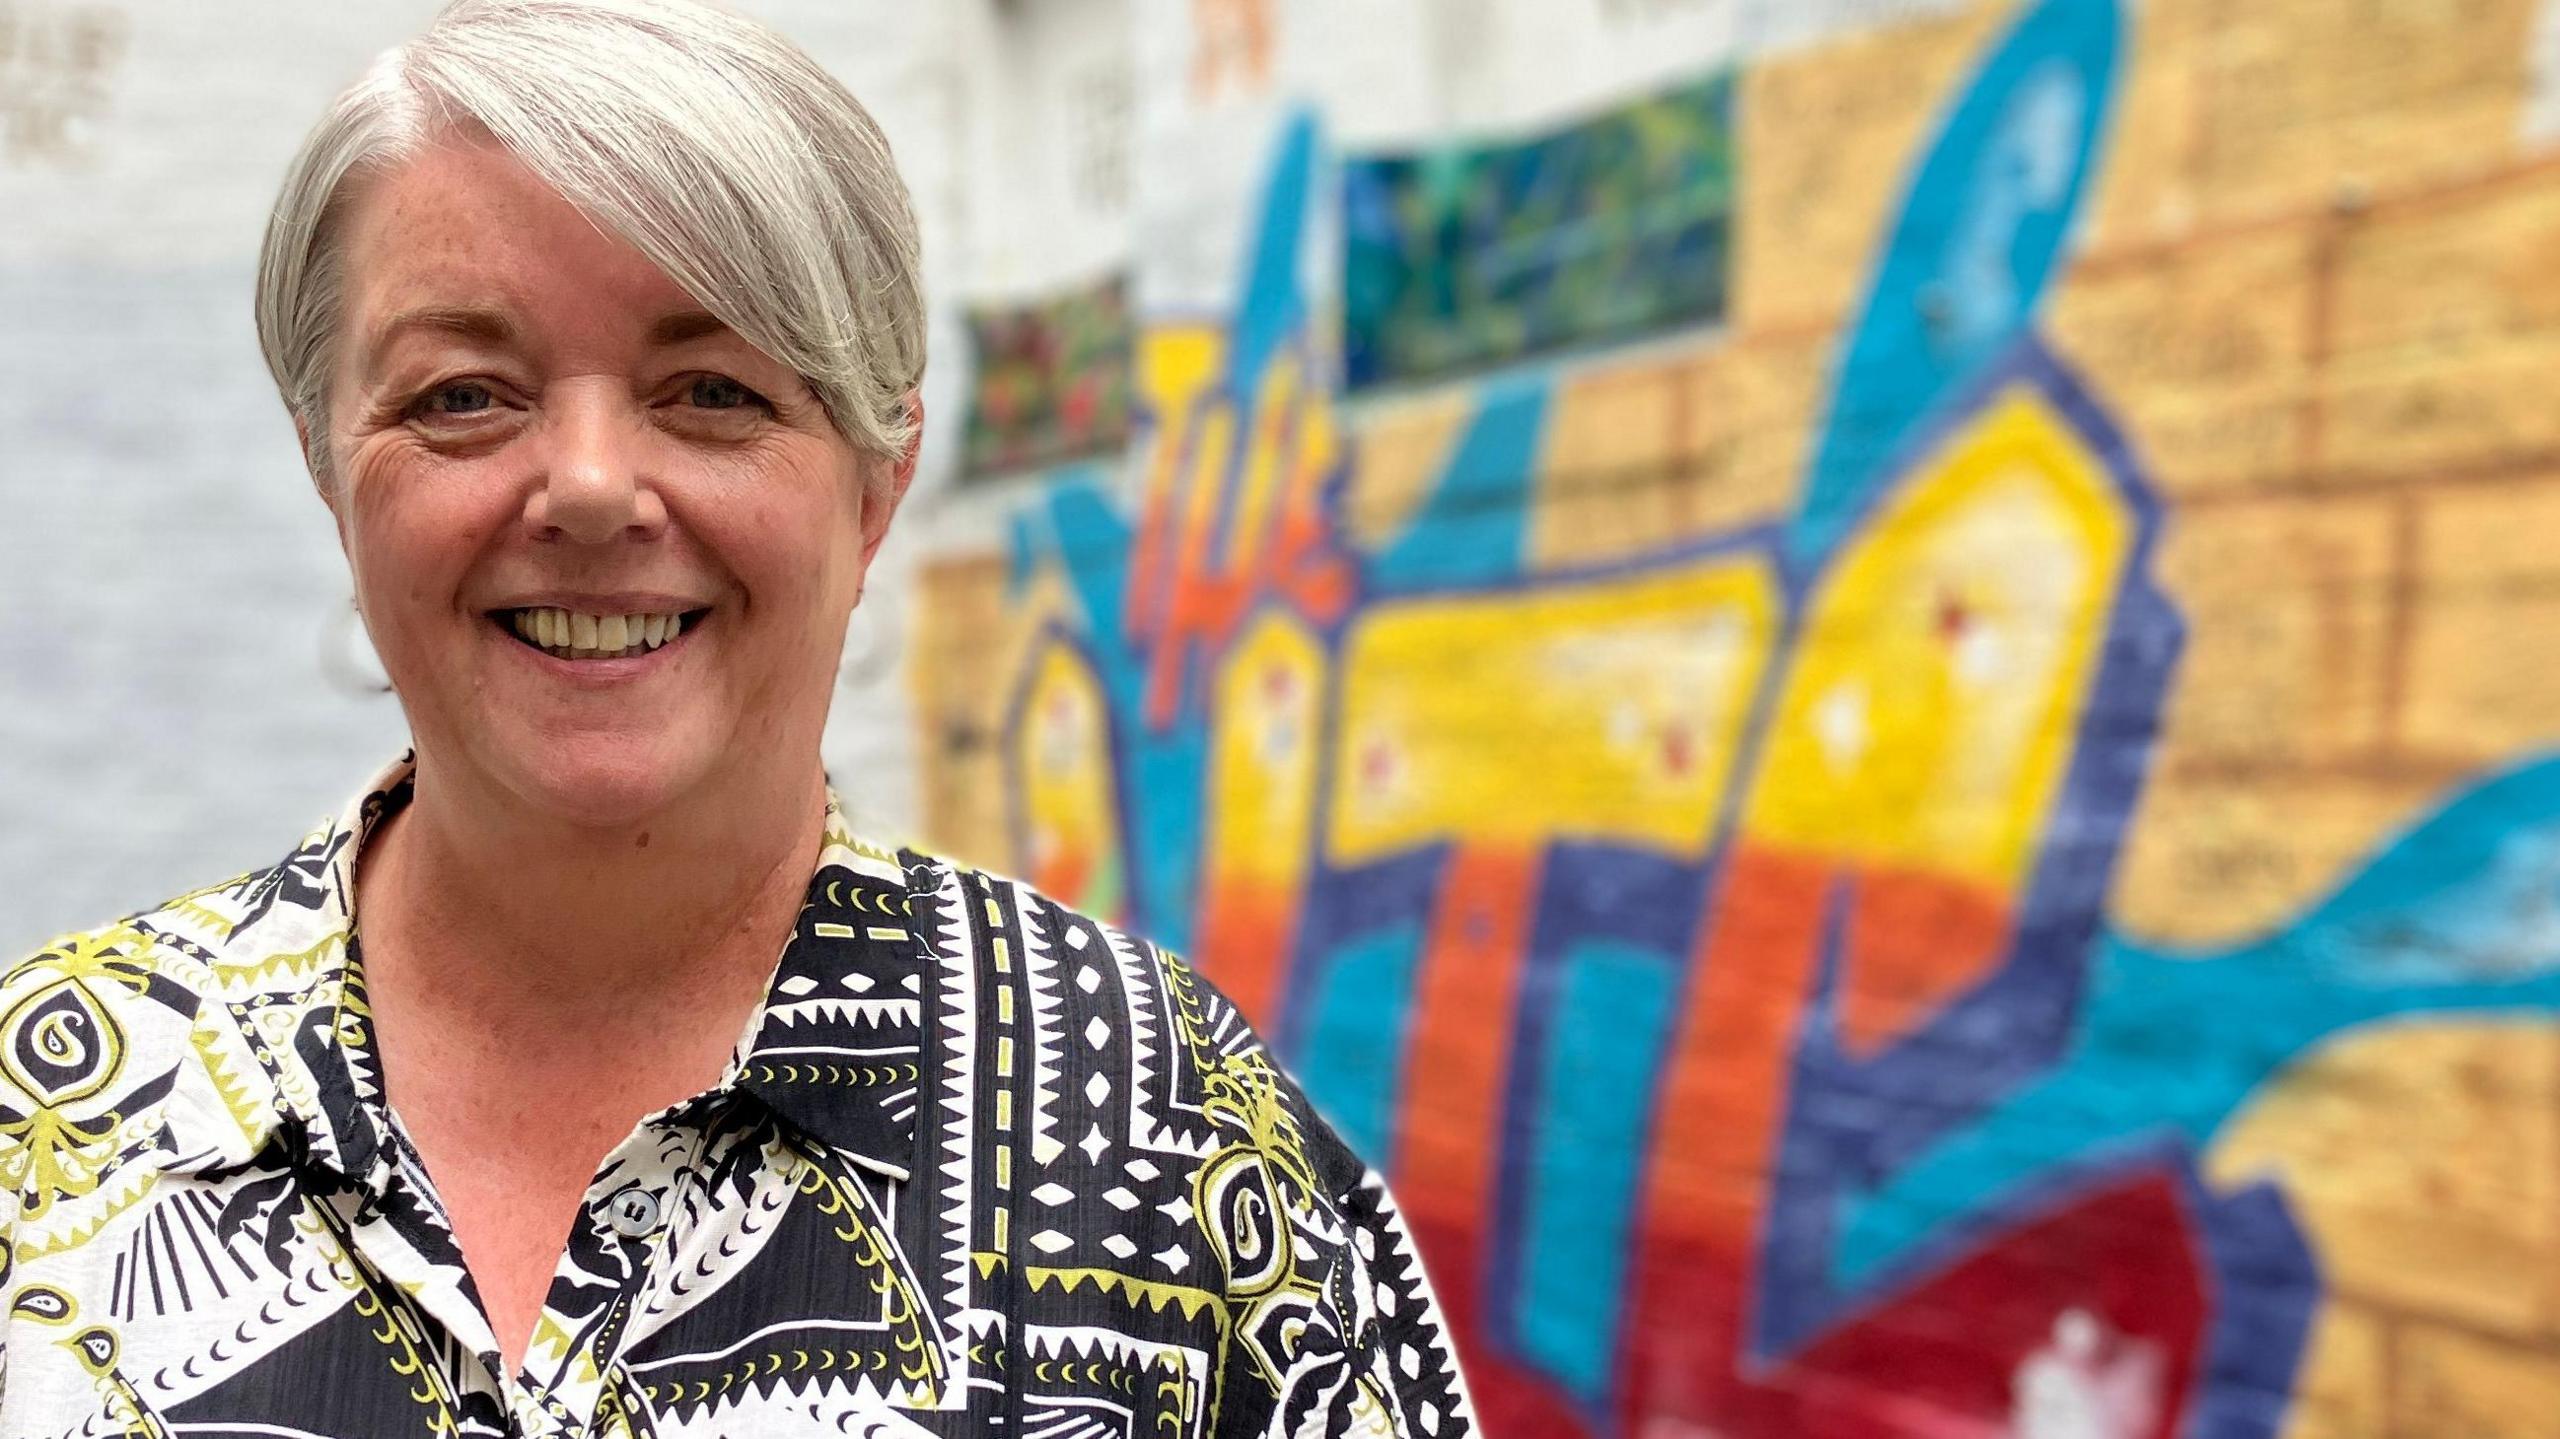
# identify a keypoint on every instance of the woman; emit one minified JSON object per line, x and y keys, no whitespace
{"x":490,"y":1110}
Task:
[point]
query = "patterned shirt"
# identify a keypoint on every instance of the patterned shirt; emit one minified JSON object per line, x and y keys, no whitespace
{"x":980,"y":1166}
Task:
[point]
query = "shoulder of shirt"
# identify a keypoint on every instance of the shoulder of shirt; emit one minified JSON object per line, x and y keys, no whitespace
{"x":110,"y":1019}
{"x":1188,"y":1034}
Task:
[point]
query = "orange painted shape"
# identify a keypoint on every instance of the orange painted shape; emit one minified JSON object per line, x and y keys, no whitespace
{"x":1246,"y":930}
{"x":1065,"y":869}
{"x":1915,"y":941}
{"x":1726,"y":1093}
{"x":1459,"y":1054}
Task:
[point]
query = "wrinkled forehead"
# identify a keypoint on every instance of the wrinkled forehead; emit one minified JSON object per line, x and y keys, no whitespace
{"x":463,"y":241}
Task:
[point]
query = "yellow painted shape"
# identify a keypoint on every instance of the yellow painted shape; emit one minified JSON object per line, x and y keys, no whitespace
{"x":1176,"y":364}
{"x":1267,"y":447}
{"x":1064,"y":758}
{"x":1608,"y":709}
{"x":1213,"y":448}
{"x":1262,"y":752}
{"x":1941,"y":668}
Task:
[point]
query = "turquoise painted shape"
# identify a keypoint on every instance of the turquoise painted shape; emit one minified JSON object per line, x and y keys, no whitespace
{"x":1473,"y":528}
{"x":2460,"y":916}
{"x":1981,"y":232}
{"x":1271,"y":303}
{"x":1594,"y":1091}
{"x":1352,"y":1065}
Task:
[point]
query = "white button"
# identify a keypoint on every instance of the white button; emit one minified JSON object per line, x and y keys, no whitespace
{"x":632,"y":1213}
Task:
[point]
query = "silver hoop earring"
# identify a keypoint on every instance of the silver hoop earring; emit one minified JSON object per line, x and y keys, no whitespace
{"x":347,"y":658}
{"x":870,"y":643}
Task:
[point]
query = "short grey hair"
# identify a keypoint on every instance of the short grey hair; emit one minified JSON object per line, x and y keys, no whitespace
{"x":707,"y":142}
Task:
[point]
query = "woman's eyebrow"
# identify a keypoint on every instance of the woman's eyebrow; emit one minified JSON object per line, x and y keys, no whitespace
{"x":464,"y":321}
{"x":686,"y":325}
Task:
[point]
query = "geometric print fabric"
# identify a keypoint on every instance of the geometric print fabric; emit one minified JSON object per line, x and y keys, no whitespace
{"x":981,"y":1165}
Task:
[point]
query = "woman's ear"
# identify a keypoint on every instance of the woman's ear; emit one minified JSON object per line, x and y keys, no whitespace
{"x":881,"y":504}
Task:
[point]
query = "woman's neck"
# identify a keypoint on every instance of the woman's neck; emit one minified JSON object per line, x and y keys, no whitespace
{"x":472,"y":906}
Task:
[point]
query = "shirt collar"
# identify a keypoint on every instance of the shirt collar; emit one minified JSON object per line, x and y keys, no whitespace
{"x":837,"y":1048}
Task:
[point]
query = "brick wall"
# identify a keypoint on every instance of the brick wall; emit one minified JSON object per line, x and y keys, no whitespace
{"x":2226,"y":1095}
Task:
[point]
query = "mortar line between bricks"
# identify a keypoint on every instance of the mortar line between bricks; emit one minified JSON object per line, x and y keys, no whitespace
{"x":2370,"y":768}
{"x":2134,"y":254}
{"x":2352,"y":483}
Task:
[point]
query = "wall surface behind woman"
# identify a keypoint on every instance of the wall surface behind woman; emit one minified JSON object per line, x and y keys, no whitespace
{"x":1960,"y":842}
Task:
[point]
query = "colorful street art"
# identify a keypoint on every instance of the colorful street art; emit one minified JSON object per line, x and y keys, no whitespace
{"x":1602,"y":230}
{"x":1734,"y":997}
{"x":1050,"y":379}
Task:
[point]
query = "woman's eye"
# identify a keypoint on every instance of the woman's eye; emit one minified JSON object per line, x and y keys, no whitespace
{"x":719,"y":392}
{"x":458,"y":399}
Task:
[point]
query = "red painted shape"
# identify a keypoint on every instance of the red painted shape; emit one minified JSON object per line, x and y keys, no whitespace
{"x":1940,"y":1360}
{"x":1716,"y":1130}
{"x":1950,"y":1348}
{"x":1915,"y":941}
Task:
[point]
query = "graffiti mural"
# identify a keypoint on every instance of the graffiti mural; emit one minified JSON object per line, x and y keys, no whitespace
{"x":1717,"y":942}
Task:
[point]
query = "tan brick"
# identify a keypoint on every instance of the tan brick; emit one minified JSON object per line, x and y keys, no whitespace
{"x":2454,"y":1385}
{"x":2145,"y":187}
{"x":2299,"y":98}
{"x":1830,"y":137}
{"x":1748,"y":412}
{"x":2218,"y":858}
{"x":1605,"y":486}
{"x":2215,"y":311}
{"x":2479,"y":409}
{"x":2423,"y":1161}
{"x":969,"y":640}
{"x":1402,"y":445}
{"x":2199,"y":352}
{"x":2450,"y":277}
{"x":2215,"y":439}
{"x":2339,"y":1391}
{"x":2289,"y":607}
{"x":2484,"y":657}
{"x":1625,"y":415}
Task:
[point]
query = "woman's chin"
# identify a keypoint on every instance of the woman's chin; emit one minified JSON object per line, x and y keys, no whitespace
{"x":602,"y":783}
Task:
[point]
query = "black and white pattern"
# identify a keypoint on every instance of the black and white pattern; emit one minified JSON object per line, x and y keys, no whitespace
{"x":985,"y":1166}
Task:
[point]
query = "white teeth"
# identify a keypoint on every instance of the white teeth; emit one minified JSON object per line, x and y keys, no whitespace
{"x":575,"y":635}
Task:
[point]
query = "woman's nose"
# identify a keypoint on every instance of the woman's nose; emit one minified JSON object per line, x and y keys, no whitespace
{"x":594,"y":486}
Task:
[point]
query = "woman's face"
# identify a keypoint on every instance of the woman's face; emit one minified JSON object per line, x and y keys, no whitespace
{"x":545,"y":449}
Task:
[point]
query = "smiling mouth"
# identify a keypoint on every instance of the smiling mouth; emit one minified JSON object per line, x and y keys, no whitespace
{"x":577,"y":635}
